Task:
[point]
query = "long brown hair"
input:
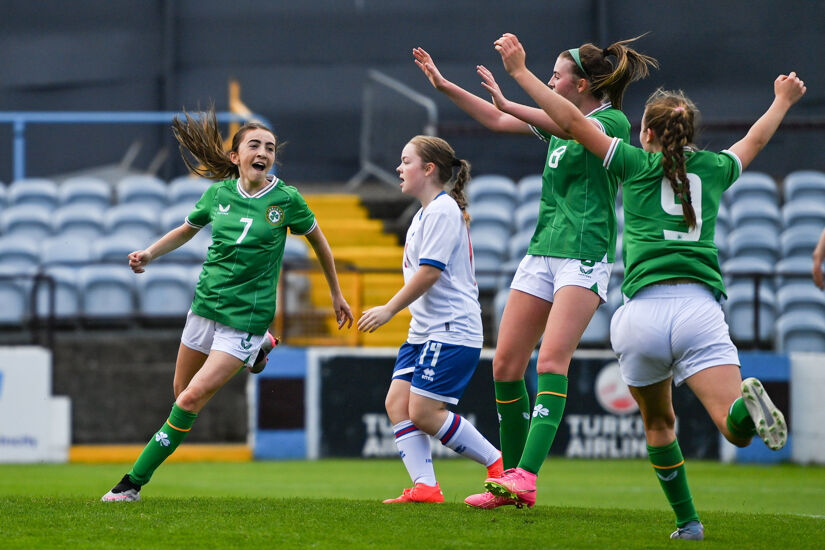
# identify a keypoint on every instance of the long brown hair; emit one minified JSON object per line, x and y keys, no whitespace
{"x":201,"y":144}
{"x":606,"y":80}
{"x":673,"y":117}
{"x":439,"y":152}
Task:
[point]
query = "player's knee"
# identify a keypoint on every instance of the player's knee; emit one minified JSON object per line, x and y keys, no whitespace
{"x":507,"y":370}
{"x":190,"y":399}
{"x":659,"y":424}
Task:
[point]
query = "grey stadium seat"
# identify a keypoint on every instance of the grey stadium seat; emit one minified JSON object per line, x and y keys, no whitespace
{"x":26,"y":221}
{"x":529,"y":188}
{"x":755,"y":212}
{"x":187,"y":190}
{"x":78,"y":220}
{"x":805,"y":185}
{"x":137,"y":220}
{"x":753,"y":184}
{"x":108,"y":292}
{"x":34,"y":191}
{"x":739,"y":310}
{"x":754,"y":242}
{"x":165,"y":291}
{"x":143,"y":189}
{"x":800,"y":331}
{"x":86,"y":190}
{"x":493,"y":188}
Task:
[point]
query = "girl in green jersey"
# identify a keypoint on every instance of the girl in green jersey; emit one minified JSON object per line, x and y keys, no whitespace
{"x":672,"y":328}
{"x":234,"y":303}
{"x":563,"y":279}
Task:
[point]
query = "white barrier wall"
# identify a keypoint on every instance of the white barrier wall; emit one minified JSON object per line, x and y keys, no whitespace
{"x":34,"y":425}
{"x":807,"y":409}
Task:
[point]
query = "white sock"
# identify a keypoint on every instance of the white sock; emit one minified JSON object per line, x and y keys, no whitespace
{"x":462,"y":437}
{"x":414,"y":448}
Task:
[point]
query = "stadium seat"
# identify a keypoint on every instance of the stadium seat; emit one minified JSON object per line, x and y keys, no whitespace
{"x":493,"y":188}
{"x":527,"y":216}
{"x":499,"y":302}
{"x":508,"y":270}
{"x":487,"y":270}
{"x":489,"y":240}
{"x":86,"y":190}
{"x":187,"y":190}
{"x":744,"y":269}
{"x":15,"y":296}
{"x":753,"y":185}
{"x":486,"y":214}
{"x":3,"y":196}
{"x":34,"y":191}
{"x":137,"y":220}
{"x":799,"y":241}
{"x":597,"y":333}
{"x":66,"y":297}
{"x":739,"y":310}
{"x":755,"y":212}
{"x":723,"y":218}
{"x":801,"y":296}
{"x":755,"y":242}
{"x":26,"y":221}
{"x":165,"y":291}
{"x":800,"y":331}
{"x":107,"y":292}
{"x":793,"y":269}
{"x":518,"y":245}
{"x":65,"y":251}
{"x":115,"y":248}
{"x":807,"y":185}
{"x":720,"y":239}
{"x":19,"y":253}
{"x":296,"y":248}
{"x":529,"y":188}
{"x":143,"y":190}
{"x":620,"y":218}
{"x":803,"y":212}
{"x":614,"y":297}
{"x":174,"y":216}
{"x":78,"y":220}
{"x":194,"y":251}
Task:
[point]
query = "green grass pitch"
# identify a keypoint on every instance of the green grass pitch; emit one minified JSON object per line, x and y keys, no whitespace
{"x":337,"y":504}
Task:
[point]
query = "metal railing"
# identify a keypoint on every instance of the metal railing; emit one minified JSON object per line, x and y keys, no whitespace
{"x":20,"y":120}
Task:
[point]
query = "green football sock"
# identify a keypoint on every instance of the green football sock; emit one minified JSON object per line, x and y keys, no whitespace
{"x":513,"y":405}
{"x":739,"y":420}
{"x":163,"y":444}
{"x":550,"y":400}
{"x":669,"y":465}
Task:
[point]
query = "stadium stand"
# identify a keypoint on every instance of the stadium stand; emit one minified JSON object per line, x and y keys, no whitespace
{"x":493,"y":188}
{"x":26,"y":221}
{"x":187,"y":190}
{"x":66,"y":298}
{"x":752,"y":185}
{"x":800,"y":331}
{"x":138,"y":220}
{"x":529,"y":188}
{"x":34,"y":191}
{"x":799,"y":240}
{"x":740,"y":311}
{"x":804,"y":185}
{"x":754,"y":212}
{"x":754,"y":242}
{"x":165,"y":292}
{"x":85,"y":190}
{"x":78,"y":220}
{"x":143,"y":190}
{"x":14,"y":295}
{"x":107,"y":293}
{"x":19,"y":254}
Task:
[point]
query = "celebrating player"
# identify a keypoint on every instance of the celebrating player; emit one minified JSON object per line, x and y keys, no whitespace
{"x":234,"y":302}
{"x":564,"y":277}
{"x":441,"y":353}
{"x":671,"y":328}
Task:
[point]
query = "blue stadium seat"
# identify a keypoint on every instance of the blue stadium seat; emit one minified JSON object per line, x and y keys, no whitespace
{"x":518,"y":245}
{"x":487,"y":270}
{"x":755,"y":242}
{"x":753,"y":185}
{"x":187,"y":190}
{"x":108,"y":292}
{"x":19,"y":253}
{"x":116,"y":247}
{"x":807,"y":185}
{"x":597,"y":333}
{"x":165,"y":291}
{"x":799,"y":240}
{"x":86,"y":190}
{"x":529,"y":188}
{"x":800,"y":331}
{"x":720,"y":239}
{"x":3,"y":196}
{"x":803,"y":212}
{"x":191,"y":252}
{"x":620,"y":217}
{"x":493,"y":188}
{"x":793,"y":269}
{"x":527,"y":216}
{"x":174,"y":216}
{"x":755,"y":212}
{"x":78,"y":220}
{"x":144,"y":190}
{"x":67,"y":294}
{"x":485,"y":214}
{"x":137,"y":220}
{"x":26,"y":221}
{"x":491,"y":241}
{"x":614,"y":297}
{"x":739,"y":310}
{"x":499,"y":302}
{"x":34,"y":191}
{"x":742,"y":269}
{"x":723,"y":218}
{"x":15,"y":296}
{"x":508,"y":270}
{"x":65,"y":251}
{"x":296,"y":248}
{"x":801,"y":296}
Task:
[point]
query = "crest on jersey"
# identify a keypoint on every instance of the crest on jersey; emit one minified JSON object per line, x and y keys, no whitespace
{"x":275,"y":215}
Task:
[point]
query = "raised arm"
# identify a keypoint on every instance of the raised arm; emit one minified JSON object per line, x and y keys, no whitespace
{"x":320,"y":245}
{"x":570,"y":121}
{"x":513,"y":121}
{"x":819,"y":257}
{"x":787,"y":91}
{"x":175,"y":238}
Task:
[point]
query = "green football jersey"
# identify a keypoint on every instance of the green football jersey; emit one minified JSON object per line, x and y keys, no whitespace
{"x":238,"y":282}
{"x":577,"y":216}
{"x":657,"y":243}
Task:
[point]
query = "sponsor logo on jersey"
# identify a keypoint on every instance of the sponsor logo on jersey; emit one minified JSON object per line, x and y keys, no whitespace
{"x":223,"y":210}
{"x":275,"y":215}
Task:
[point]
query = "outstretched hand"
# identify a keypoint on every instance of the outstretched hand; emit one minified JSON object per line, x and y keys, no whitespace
{"x":343,"y":313}
{"x":374,"y":318}
{"x":512,"y":53}
{"x":138,"y":260}
{"x":488,"y":82}
{"x":427,"y":66}
{"x":789,"y":87}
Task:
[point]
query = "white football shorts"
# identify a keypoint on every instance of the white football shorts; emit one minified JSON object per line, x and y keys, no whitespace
{"x":203,"y":335}
{"x":670,"y":330}
{"x":543,"y":276}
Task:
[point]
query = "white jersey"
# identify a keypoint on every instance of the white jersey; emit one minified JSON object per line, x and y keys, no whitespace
{"x":449,"y":311}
